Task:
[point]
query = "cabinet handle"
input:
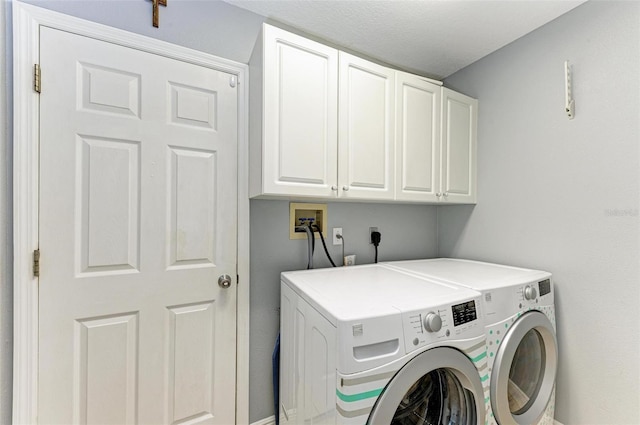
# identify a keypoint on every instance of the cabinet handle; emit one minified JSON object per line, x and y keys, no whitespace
{"x":334,"y":188}
{"x":345,"y":188}
{"x":446,"y":194}
{"x":438,"y":194}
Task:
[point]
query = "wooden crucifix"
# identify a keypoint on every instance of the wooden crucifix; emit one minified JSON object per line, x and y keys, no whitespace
{"x":156,"y":12}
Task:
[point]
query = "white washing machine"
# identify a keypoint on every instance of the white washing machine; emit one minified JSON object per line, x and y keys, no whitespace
{"x":373,"y":345}
{"x":519,"y":313}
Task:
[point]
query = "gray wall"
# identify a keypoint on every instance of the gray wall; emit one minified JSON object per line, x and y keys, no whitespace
{"x":6,"y":258}
{"x":563,"y":195}
{"x":209,"y":26}
{"x":408,"y":232}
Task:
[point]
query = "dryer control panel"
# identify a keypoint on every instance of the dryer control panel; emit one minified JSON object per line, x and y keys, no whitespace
{"x":533,"y":294}
{"x":439,"y":324}
{"x":505,"y":302}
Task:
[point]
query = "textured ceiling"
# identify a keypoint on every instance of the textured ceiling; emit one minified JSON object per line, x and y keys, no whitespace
{"x":431,"y":37}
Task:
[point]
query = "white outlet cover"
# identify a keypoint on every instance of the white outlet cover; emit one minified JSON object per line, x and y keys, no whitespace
{"x":337,"y":231}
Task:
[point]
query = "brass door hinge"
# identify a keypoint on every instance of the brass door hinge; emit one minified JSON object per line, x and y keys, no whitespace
{"x":37,"y":78}
{"x":36,"y":263}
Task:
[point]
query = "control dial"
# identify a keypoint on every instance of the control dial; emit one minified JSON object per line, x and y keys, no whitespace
{"x":432,"y":322}
{"x":530,"y":292}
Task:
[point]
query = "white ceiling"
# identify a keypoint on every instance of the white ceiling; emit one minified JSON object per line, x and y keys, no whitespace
{"x":431,"y":37}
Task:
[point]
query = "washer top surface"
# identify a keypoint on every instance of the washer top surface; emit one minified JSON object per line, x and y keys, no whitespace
{"x":472,"y":274}
{"x":375,"y":290}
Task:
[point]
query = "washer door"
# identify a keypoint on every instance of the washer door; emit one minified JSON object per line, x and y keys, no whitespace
{"x":524,"y":371}
{"x":438,"y":387}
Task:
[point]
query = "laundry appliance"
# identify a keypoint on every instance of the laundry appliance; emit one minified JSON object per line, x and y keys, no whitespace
{"x":373,"y":345}
{"x":519,"y":311}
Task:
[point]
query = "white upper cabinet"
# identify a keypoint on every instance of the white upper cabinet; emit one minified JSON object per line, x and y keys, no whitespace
{"x":418,"y":105}
{"x":459,"y":146}
{"x":365,"y":129}
{"x":325,"y":124}
{"x":293,"y":108}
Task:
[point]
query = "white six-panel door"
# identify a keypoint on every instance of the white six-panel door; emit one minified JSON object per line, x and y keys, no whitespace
{"x":137,"y":222}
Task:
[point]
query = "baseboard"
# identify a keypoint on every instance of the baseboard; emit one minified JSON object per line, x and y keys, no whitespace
{"x":271,"y":420}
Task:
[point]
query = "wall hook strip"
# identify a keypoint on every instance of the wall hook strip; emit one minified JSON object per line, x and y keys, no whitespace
{"x":569,"y":103}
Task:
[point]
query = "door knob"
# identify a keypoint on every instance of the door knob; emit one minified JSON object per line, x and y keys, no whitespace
{"x":224,"y":281}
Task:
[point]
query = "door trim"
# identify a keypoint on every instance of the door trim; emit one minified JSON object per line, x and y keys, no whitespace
{"x":27,"y":20}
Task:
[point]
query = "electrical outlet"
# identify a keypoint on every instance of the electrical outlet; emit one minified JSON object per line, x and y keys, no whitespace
{"x":337,"y":231}
{"x":350,"y":260}
{"x":371,"y":230}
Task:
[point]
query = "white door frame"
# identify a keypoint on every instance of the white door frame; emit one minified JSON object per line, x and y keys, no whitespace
{"x":27,"y":20}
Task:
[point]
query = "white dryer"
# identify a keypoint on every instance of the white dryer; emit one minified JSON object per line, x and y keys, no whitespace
{"x":373,"y":345}
{"x":519,"y":312}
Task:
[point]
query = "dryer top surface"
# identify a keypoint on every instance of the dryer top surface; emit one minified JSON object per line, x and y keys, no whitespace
{"x":472,"y":274}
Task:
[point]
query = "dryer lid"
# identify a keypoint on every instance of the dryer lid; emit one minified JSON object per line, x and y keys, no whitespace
{"x":472,"y":274}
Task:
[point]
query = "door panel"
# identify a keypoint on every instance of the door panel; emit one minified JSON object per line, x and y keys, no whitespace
{"x":106,"y":363}
{"x":109,"y":90}
{"x":138,"y":200}
{"x":191,"y":354}
{"x":191,"y":198}
{"x":108,"y":179}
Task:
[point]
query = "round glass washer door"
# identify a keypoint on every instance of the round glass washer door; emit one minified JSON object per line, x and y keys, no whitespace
{"x":524,"y":371}
{"x":440,"y":386}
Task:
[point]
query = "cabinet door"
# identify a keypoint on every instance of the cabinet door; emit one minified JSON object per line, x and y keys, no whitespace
{"x":418,"y":106}
{"x":366,"y":129}
{"x":459,"y":122}
{"x":299,"y":115}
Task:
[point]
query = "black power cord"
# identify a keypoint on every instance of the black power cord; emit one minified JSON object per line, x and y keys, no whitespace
{"x":375,"y":240}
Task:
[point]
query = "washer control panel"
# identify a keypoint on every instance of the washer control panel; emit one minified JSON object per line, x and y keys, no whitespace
{"x":457,"y":321}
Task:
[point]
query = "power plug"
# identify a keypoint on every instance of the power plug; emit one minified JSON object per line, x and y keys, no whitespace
{"x":375,"y":238}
